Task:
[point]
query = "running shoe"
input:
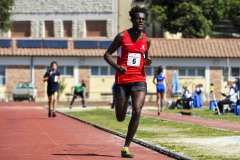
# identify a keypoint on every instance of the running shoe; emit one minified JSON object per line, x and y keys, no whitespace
{"x":49,"y":113}
{"x":54,"y":114}
{"x":125,"y":153}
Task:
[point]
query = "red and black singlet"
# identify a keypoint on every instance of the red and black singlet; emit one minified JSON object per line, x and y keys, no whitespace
{"x":131,"y":55}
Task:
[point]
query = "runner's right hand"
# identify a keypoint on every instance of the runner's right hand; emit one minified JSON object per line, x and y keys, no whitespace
{"x":121,"y":69}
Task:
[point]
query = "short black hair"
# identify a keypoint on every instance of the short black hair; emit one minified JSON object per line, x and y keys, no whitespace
{"x":137,"y":9}
{"x":54,"y":62}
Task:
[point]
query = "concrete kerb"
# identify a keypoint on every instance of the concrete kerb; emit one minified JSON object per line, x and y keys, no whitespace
{"x":137,"y":141}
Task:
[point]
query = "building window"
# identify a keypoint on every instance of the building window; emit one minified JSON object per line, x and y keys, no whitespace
{"x":49,"y":32}
{"x":102,"y":71}
{"x":235,"y":72}
{"x":191,"y":72}
{"x":21,"y":29}
{"x":201,"y":72}
{"x":96,"y":28}
{"x":109,"y":71}
{"x":67,"y":27}
{"x":69,"y":70}
{"x":94,"y":71}
{"x":2,"y":75}
{"x":148,"y":71}
{"x":64,"y":70}
{"x":112,"y":71}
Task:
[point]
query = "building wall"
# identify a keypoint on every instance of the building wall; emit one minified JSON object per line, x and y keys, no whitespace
{"x":169,"y":75}
{"x":63,"y":6}
{"x":100,"y":84}
{"x":38,"y":76}
{"x":216,"y":79}
{"x":2,"y":93}
{"x":69,"y":83}
{"x":77,"y":11}
{"x":16,"y":74}
{"x":96,"y":85}
{"x":124,"y":22}
{"x":84,"y":75}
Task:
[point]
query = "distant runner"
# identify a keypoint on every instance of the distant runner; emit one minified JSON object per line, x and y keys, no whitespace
{"x":52,"y":77}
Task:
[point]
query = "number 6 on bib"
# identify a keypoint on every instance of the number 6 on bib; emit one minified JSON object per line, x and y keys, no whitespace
{"x":134,"y":59}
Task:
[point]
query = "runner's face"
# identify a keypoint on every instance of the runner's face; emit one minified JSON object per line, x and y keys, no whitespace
{"x":139,"y":21}
{"x":54,"y":66}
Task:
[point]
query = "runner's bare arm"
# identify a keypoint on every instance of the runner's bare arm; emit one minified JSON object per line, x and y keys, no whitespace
{"x":155,"y":76}
{"x":45,"y":78}
{"x":148,"y":61}
{"x":108,"y":54}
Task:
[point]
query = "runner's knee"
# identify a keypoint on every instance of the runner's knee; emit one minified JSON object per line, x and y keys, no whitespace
{"x":136,"y":112}
{"x":120,"y":118}
{"x":54,"y":98}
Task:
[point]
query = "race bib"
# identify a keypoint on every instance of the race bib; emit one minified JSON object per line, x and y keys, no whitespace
{"x":134,"y":59}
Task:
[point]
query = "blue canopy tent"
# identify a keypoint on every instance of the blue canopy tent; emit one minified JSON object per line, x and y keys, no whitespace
{"x":176,"y":88}
{"x":176,"y":91}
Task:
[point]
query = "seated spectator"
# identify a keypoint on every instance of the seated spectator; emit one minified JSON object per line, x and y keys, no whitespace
{"x":237,"y":83}
{"x":230,"y":99}
{"x":197,"y":100}
{"x":185,"y":100}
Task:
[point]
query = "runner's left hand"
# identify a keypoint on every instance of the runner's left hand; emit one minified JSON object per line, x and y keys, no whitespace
{"x":148,"y":62}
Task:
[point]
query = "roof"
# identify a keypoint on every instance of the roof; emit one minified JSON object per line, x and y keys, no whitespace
{"x":167,"y":48}
{"x":196,"y":48}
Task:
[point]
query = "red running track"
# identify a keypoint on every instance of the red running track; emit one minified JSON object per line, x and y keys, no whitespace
{"x":26,"y":133}
{"x":219,"y":124}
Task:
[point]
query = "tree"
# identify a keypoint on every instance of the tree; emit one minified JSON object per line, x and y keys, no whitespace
{"x":5,"y":13}
{"x":234,"y":13}
{"x":193,"y":18}
{"x":62,"y":86}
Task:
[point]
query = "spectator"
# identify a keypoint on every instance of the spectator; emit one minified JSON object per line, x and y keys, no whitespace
{"x":231,"y":98}
{"x":79,"y":90}
{"x":185,"y":100}
{"x":237,"y":82}
{"x":197,"y":101}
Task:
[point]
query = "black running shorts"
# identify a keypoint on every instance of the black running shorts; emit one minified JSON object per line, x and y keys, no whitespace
{"x":50,"y":93}
{"x":125,"y":90}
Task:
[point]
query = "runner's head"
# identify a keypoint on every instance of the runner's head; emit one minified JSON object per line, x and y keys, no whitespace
{"x":138,"y":16}
{"x":54,"y":65}
{"x":159,"y":70}
{"x":230,"y":83}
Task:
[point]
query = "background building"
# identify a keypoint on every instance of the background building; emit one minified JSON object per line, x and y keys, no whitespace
{"x":76,"y":34}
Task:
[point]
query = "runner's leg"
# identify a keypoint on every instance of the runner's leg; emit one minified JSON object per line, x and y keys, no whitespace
{"x":73,"y":99}
{"x":121,"y":108}
{"x":161,"y":99}
{"x":158,"y":102}
{"x":55,"y":95}
{"x":138,"y":98}
{"x":49,"y":106}
{"x":82,"y":95}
